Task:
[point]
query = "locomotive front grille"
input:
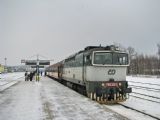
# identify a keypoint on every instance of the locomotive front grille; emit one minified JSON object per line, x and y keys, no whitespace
{"x":108,"y":92}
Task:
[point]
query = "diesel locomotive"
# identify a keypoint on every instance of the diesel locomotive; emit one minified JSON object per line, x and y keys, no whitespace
{"x":99,"y":72}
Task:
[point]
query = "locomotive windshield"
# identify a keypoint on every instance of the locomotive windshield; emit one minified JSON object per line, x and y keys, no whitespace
{"x":110,"y":58}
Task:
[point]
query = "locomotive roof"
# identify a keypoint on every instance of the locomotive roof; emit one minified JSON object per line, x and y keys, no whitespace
{"x":89,"y":49}
{"x":111,"y":47}
{"x":93,"y":48}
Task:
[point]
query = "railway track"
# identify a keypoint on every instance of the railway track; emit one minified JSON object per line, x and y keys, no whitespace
{"x":144,"y":99}
{"x":142,"y":95}
{"x":146,"y":95}
{"x":128,"y":107}
{"x":144,"y":83}
{"x":146,"y":88}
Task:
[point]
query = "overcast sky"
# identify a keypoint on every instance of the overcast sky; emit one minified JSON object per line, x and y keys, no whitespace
{"x":58,"y":28}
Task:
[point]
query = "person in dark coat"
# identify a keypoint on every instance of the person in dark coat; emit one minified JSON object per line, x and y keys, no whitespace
{"x":41,"y":73}
{"x":26,"y":74}
{"x":45,"y":73}
{"x":28,"y":77}
{"x":31,"y":76}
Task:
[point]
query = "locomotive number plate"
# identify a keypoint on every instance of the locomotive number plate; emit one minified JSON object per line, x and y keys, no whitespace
{"x":111,"y":84}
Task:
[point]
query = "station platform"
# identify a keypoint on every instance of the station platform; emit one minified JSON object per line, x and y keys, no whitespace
{"x":49,"y":100}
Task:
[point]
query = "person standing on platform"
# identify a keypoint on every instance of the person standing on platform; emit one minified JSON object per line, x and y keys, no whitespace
{"x":41,"y":73}
{"x":37,"y":77}
{"x":45,"y":73}
{"x":31,"y":76}
{"x":26,"y":74}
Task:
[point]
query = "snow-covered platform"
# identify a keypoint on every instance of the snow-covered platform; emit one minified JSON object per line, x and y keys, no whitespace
{"x":50,"y":100}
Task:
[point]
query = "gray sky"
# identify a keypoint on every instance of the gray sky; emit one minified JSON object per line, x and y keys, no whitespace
{"x":58,"y":28}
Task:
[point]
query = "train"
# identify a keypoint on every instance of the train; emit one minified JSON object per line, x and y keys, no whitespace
{"x":96,"y":71}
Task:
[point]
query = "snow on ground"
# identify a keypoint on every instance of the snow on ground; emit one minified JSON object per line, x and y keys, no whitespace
{"x":9,"y":79}
{"x":151,"y":87}
{"x":66,"y":104}
{"x":3,"y":82}
{"x":130,"y":114}
{"x":47,"y":100}
{"x":11,"y":76}
{"x":21,"y":102}
{"x":143,"y":105}
{"x":153,"y":80}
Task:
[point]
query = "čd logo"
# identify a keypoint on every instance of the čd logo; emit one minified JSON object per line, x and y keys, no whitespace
{"x":111,"y":71}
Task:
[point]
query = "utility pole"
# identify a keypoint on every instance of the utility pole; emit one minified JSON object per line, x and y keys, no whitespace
{"x":37,"y":63}
{"x":5,"y":66}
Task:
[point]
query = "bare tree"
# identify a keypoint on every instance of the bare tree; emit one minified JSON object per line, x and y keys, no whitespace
{"x":142,"y":64}
{"x":132,"y":53}
{"x":120,"y":46}
{"x":131,"y":50}
{"x":158,"y":45}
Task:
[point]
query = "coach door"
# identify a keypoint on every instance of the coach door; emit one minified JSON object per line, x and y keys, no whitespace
{"x":87,"y":62}
{"x":60,"y":68}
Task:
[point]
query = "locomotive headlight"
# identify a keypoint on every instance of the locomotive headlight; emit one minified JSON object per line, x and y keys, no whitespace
{"x":120,"y":84}
{"x":103,"y":84}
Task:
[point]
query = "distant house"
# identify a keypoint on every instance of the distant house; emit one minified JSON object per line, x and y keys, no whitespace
{"x":1,"y":68}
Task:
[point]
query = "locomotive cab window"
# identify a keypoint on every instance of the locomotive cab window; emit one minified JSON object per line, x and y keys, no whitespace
{"x":110,"y":58}
{"x":102,"y":58}
{"x":120,"y":58}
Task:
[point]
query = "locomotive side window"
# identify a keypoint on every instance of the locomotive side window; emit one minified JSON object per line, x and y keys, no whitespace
{"x":87,"y":60}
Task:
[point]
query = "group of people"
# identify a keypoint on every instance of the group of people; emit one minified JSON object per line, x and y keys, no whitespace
{"x":29,"y":76}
